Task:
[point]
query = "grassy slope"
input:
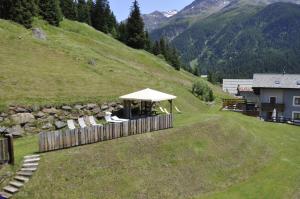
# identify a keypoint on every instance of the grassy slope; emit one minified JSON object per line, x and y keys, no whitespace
{"x":209,"y":154}
{"x":57,"y":70}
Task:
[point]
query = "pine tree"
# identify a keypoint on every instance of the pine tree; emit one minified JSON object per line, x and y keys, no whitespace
{"x":148,"y":43}
{"x":69,"y":9}
{"x":5,"y":6}
{"x":83,"y":12}
{"x":174,"y":59}
{"x":98,"y":16}
{"x":122,"y":32}
{"x":21,"y":11}
{"x":50,"y":11}
{"x":162,"y":46}
{"x":156,"y":48}
{"x":135,"y":28}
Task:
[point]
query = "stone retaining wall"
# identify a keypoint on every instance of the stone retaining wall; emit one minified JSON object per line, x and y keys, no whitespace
{"x":19,"y":120}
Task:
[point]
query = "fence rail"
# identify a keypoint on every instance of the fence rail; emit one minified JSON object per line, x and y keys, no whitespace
{"x":49,"y":141}
{"x":4,"y":150}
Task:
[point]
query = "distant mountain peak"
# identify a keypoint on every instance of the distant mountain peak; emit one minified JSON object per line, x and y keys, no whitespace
{"x":170,"y":13}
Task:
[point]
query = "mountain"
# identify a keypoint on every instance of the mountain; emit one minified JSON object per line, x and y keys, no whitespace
{"x":201,"y":9}
{"x":245,"y":40}
{"x":156,"y":19}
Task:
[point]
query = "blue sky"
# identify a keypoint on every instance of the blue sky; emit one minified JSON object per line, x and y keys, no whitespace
{"x":121,"y":8}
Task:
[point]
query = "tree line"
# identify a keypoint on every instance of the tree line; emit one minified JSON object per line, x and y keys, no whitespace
{"x":96,"y":13}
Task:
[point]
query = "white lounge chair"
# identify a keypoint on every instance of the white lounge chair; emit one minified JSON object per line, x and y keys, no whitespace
{"x":71,"y":124}
{"x":93,"y":121}
{"x":177,"y":109}
{"x":109,"y":119}
{"x":119,"y":119}
{"x":81,"y":122}
{"x":161,"y":109}
{"x":166,"y":111}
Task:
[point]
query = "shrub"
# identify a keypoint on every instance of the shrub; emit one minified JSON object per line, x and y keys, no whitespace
{"x":202,"y":90}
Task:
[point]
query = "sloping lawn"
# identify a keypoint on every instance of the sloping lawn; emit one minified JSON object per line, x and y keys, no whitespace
{"x":226,"y":155}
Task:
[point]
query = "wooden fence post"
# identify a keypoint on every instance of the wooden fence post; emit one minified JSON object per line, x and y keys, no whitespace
{"x":10,"y":149}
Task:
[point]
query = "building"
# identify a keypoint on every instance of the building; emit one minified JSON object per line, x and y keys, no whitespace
{"x":231,"y":85}
{"x":279,"y":96}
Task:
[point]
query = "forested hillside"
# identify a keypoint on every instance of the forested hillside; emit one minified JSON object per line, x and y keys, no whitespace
{"x":242,"y":41}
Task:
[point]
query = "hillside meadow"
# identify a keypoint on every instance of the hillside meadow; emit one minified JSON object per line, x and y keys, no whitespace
{"x":208,"y":154}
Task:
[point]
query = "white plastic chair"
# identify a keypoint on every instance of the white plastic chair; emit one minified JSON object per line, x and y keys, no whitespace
{"x":109,"y":119}
{"x":93,"y":121}
{"x":161,"y":109}
{"x":119,"y":119}
{"x":81,"y":122}
{"x":166,"y":111}
{"x":177,"y":109}
{"x":71,"y":124}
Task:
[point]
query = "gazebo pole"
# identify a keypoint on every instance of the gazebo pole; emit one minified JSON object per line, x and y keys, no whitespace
{"x":171,"y":106}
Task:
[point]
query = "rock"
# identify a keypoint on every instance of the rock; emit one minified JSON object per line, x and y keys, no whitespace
{"x":119,"y":107}
{"x":22,"y":118}
{"x":79,"y":107}
{"x":104,"y":107}
{"x":21,"y":110}
{"x":3,"y":130}
{"x":16,"y":131}
{"x":100,"y":115}
{"x":1,"y":119}
{"x":47,"y":126}
{"x":36,"y":108}
{"x":92,"y":62}
{"x":3,"y":115}
{"x":91,"y":106}
{"x":60,"y":125}
{"x":66,"y":108}
{"x":112,"y":104}
{"x":51,"y":111}
{"x":30,"y":129}
{"x":40,"y":114}
{"x":96,"y":110}
{"x":38,"y":33}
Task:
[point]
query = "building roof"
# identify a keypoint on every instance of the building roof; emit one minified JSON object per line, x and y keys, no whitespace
{"x":231,"y":85}
{"x":148,"y":95}
{"x":276,"y":81}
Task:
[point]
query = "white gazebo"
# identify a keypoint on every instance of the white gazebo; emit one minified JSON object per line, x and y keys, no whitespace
{"x":147,"y":97}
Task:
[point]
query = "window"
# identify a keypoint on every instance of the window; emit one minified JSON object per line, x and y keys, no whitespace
{"x":273,"y":100}
{"x":297,"y":101}
{"x":296,"y":116}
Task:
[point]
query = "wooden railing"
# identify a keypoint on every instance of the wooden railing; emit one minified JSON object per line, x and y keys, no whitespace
{"x":49,"y":141}
{"x":269,"y":107}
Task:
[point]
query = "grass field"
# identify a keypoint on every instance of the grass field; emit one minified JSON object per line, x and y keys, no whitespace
{"x":209,"y":153}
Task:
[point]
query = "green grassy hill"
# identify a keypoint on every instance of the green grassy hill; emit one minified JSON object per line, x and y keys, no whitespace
{"x":209,"y":153}
{"x":57,"y":70}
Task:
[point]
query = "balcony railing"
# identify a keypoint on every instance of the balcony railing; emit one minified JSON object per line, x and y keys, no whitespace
{"x":269,"y":107}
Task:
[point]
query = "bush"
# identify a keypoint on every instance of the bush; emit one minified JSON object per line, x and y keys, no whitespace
{"x":202,"y":90}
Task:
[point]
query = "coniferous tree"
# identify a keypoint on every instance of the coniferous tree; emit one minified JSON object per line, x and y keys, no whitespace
{"x":21,"y":11}
{"x":156,"y":48}
{"x":174,"y":59}
{"x":69,"y":9}
{"x":135,"y":28}
{"x":122,"y":32}
{"x":83,"y":12}
{"x":5,"y":6}
{"x":50,"y":11}
{"x":148,"y":43}
{"x":98,"y":15}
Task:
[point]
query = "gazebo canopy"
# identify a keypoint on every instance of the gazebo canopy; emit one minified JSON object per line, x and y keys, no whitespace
{"x":149,"y":95}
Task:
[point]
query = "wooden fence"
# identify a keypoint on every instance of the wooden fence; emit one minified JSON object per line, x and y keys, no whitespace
{"x":4,"y":150}
{"x":49,"y":141}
